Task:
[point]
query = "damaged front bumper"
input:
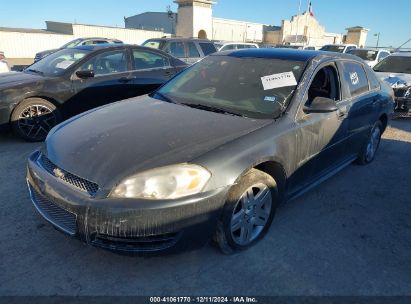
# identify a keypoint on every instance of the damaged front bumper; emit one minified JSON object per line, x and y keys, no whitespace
{"x":403,"y":101}
{"x":124,"y":225}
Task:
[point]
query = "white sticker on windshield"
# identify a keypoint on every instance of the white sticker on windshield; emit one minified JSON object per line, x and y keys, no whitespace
{"x":281,"y":80}
{"x":64,"y":64}
{"x":269,"y":98}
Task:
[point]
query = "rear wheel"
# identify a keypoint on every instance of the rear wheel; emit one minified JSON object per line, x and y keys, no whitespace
{"x":33,"y":118}
{"x":248,"y":212}
{"x":369,"y":150}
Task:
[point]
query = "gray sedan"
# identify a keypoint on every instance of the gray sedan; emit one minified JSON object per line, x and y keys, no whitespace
{"x":212,"y":153}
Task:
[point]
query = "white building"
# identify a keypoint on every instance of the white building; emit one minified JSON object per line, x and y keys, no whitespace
{"x":25,"y":43}
{"x":194,"y":19}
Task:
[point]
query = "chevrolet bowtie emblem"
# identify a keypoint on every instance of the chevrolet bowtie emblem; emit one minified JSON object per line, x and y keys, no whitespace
{"x":58,"y":173}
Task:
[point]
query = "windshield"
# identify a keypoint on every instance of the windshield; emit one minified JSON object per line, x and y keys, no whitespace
{"x":56,"y":63}
{"x":367,"y":55}
{"x":394,"y":64}
{"x":252,"y":87}
{"x":333,"y":48}
{"x":71,"y":44}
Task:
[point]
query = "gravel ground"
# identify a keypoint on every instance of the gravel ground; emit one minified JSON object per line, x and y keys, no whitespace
{"x":349,"y":236}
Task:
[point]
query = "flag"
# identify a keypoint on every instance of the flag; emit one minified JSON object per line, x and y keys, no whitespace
{"x":310,"y":9}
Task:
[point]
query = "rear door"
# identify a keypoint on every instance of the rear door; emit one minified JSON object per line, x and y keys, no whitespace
{"x":363,"y":103}
{"x":151,"y":69}
{"x":111,"y":70}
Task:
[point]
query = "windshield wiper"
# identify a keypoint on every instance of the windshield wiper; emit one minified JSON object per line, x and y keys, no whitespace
{"x":164,"y":97}
{"x":212,"y":109}
{"x":36,"y":71}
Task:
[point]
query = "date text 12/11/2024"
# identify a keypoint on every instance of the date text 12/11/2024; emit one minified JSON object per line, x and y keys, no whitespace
{"x":203,"y":300}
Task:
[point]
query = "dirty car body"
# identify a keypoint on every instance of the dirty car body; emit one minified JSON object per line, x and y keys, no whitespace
{"x":395,"y":70}
{"x":86,"y":180}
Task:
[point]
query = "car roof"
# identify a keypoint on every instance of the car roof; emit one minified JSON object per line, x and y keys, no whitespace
{"x":179,"y":39}
{"x":101,"y":38}
{"x":403,"y":54}
{"x":96,"y":47}
{"x":285,"y":54}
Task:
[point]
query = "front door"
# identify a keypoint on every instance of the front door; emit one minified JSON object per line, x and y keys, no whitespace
{"x":111,"y":82}
{"x":320,"y":137}
{"x":150,"y":71}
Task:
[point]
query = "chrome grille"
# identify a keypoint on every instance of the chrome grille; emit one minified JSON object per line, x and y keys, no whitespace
{"x":78,"y":182}
{"x":59,"y":217}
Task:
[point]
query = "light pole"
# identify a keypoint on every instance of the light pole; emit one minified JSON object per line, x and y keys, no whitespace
{"x":378,"y":39}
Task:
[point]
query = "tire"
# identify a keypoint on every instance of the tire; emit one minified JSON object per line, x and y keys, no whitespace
{"x":369,"y":150}
{"x":33,"y":118}
{"x":243,"y":224}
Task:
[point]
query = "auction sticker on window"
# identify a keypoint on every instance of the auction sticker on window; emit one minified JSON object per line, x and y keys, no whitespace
{"x":64,"y":64}
{"x":281,"y":80}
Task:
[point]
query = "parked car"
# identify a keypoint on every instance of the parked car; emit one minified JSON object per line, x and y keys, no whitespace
{"x":4,"y":66}
{"x":212,"y":152}
{"x":74,"y":80}
{"x":78,"y":42}
{"x":188,"y":50}
{"x":370,"y":56}
{"x":338,"y":48}
{"x":396,"y":71}
{"x":229,"y":46}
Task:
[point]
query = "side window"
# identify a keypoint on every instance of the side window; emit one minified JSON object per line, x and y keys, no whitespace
{"x":325,"y":84}
{"x":176,"y":49}
{"x":107,"y":63}
{"x":192,"y":50}
{"x":229,"y":47}
{"x":208,"y":48}
{"x":374,"y":82}
{"x":382,"y":55}
{"x":355,"y":77}
{"x":148,"y":60}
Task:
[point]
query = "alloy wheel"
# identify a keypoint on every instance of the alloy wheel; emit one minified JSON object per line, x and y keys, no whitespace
{"x":36,"y":121}
{"x":251,"y":214}
{"x":373,"y":143}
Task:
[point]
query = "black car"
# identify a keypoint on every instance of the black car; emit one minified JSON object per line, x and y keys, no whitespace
{"x":189,"y":50}
{"x":74,"y":80}
{"x":77,"y":42}
{"x":211,"y":153}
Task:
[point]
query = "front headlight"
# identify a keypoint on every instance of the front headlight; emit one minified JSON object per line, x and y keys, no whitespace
{"x":169,"y":182}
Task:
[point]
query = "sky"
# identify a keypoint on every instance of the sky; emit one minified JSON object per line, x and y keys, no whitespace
{"x":390,"y":19}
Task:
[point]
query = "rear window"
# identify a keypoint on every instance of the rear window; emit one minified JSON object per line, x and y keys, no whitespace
{"x":154,"y":44}
{"x":356,"y":78}
{"x":207,"y":48}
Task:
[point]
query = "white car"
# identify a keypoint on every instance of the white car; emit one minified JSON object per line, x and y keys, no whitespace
{"x":221,"y":46}
{"x":370,"y":56}
{"x":395,"y":70}
{"x":338,"y":48}
{"x":4,"y":67}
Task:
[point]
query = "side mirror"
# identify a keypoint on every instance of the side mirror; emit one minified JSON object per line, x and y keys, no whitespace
{"x":321,"y":105}
{"x":85,"y":74}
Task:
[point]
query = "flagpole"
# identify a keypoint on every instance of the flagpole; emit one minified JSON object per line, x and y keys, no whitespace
{"x":299,"y":13}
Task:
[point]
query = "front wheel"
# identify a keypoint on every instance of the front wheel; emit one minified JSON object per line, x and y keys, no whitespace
{"x":248,"y":212}
{"x":33,"y":118}
{"x":369,"y":150}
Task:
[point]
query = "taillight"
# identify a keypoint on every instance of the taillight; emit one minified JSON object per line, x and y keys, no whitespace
{"x":2,"y":56}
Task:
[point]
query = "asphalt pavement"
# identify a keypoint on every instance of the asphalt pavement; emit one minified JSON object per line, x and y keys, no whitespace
{"x":349,"y":236}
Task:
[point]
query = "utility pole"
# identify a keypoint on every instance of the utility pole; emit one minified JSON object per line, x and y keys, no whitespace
{"x":378,"y":39}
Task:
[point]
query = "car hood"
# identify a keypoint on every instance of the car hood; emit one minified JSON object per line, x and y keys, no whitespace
{"x":47,"y":52}
{"x":395,"y":79}
{"x":115,"y":141}
{"x":17,"y":78}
